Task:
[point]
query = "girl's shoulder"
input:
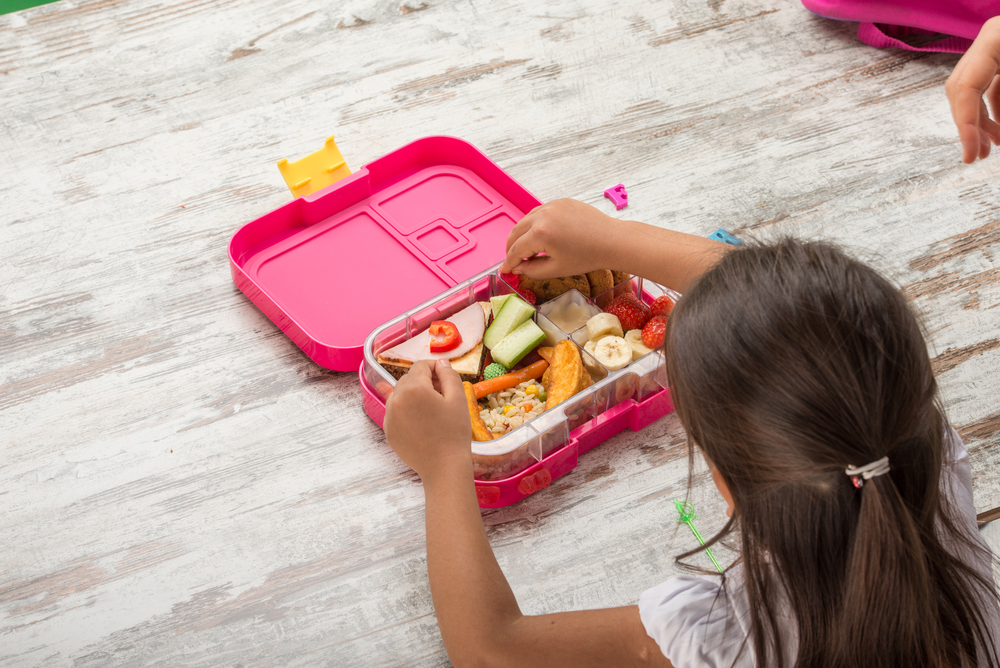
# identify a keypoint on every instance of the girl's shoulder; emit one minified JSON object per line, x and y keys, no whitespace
{"x":956,"y":478}
{"x":697,"y":621}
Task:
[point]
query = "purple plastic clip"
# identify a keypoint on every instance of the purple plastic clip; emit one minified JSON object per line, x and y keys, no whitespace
{"x":618,"y":196}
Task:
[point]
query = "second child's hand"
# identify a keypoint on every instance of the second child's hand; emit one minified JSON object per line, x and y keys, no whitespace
{"x":975,"y":76}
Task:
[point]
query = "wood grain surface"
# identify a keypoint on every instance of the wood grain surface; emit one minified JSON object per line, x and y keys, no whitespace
{"x":180,"y":485}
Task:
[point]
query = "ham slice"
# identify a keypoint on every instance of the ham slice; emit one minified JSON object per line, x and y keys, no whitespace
{"x":469,"y":322}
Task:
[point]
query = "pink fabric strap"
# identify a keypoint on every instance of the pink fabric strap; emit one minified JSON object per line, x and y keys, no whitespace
{"x":872,"y":35}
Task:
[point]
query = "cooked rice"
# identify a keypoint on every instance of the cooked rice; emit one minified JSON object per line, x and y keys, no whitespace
{"x":527,"y":406}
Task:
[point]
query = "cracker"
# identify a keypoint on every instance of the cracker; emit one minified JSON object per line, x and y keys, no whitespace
{"x":480,"y":432}
{"x":565,"y":373}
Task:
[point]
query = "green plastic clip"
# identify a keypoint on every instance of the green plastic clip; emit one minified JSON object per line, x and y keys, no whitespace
{"x":686,"y":511}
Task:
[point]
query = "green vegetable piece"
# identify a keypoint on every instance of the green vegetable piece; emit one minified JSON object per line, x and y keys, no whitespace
{"x":494,"y":370}
{"x":513,"y":347}
{"x":514,"y":312}
{"x":497,"y":303}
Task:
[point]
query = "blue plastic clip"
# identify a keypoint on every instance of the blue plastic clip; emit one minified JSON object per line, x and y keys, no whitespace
{"x":725,"y":237}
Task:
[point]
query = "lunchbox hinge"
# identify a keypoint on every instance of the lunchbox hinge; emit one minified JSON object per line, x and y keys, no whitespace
{"x":315,"y":171}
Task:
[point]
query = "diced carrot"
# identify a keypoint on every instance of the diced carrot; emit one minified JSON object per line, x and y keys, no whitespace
{"x":509,"y":380}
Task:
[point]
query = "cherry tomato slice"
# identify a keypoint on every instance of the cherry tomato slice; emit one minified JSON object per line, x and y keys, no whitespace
{"x":444,"y":336}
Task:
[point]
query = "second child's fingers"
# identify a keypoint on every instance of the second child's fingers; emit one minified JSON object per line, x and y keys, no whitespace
{"x":988,"y":125}
{"x":965,"y":105}
{"x":970,"y":80}
{"x":993,"y":96}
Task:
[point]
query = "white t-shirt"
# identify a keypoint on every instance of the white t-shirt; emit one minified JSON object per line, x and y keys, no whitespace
{"x":698,"y":623}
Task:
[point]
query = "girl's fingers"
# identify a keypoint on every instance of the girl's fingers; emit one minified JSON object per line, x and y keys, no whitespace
{"x":450,"y":381}
{"x":418,"y":376}
{"x":534,"y":266}
{"x":519,"y":230}
{"x":524,"y":247}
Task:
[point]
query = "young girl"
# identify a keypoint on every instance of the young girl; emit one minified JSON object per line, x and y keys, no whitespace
{"x":803,"y":378}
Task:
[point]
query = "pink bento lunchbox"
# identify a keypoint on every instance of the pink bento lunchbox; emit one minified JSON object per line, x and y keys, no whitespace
{"x":412,"y":237}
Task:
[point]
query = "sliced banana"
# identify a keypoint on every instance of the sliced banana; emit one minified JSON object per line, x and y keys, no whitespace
{"x":614,"y":352}
{"x":603,"y":324}
{"x":634,"y":338}
{"x":589,"y":346}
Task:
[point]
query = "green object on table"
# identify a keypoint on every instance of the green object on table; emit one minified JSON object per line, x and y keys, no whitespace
{"x":9,"y":6}
{"x":686,"y":511}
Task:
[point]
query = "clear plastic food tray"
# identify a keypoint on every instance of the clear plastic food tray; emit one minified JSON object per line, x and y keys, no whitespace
{"x":513,"y":465}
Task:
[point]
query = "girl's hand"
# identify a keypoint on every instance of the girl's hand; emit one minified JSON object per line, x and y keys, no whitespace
{"x":575,"y":238}
{"x":974,"y":76}
{"x":427,"y":419}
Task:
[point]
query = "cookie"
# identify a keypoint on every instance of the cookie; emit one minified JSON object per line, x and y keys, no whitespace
{"x":550,"y":288}
{"x":620,"y":276}
{"x":601,"y":280}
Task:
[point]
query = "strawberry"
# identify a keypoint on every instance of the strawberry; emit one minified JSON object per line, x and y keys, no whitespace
{"x":652,"y":333}
{"x":631,"y":312}
{"x":527,"y":295}
{"x":661,"y":306}
{"x":513,"y":280}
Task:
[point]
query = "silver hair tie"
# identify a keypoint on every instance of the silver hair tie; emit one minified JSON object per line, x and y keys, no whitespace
{"x":859,"y":474}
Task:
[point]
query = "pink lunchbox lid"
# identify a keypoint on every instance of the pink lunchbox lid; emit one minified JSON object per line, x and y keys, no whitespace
{"x":329,"y":267}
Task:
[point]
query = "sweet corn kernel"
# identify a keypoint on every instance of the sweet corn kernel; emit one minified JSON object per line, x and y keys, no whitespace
{"x":508,"y":409}
{"x":531,"y":389}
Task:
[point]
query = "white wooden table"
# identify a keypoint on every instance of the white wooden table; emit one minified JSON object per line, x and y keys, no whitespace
{"x":180,"y":485}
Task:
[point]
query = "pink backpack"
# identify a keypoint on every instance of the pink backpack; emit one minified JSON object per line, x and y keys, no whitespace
{"x":883,"y":21}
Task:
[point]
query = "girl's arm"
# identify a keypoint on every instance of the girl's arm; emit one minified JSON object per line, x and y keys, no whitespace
{"x":576,"y":238}
{"x":427,"y":424}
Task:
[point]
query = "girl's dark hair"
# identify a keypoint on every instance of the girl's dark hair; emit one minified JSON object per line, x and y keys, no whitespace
{"x":788,"y":363}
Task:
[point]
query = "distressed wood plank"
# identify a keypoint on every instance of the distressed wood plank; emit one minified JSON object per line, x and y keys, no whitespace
{"x":181,"y":485}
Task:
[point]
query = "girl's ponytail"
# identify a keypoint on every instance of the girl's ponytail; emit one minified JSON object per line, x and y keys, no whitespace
{"x":789,"y":364}
{"x":887,"y":571}
{"x":896,"y":564}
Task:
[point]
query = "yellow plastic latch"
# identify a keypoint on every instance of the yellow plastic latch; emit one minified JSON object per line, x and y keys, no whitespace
{"x":315,"y":171}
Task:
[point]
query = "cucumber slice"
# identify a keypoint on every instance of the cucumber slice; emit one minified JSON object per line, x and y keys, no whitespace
{"x":514,"y":312}
{"x":518,"y":343}
{"x":498,"y":303}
